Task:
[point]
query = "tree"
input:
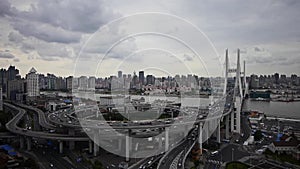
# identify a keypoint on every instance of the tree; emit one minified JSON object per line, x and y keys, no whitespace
{"x":258,"y":135}
{"x":97,"y":165}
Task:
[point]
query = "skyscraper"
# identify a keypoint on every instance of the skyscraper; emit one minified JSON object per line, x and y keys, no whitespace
{"x":12,"y":72}
{"x":69,"y":82}
{"x":91,"y":83}
{"x":141,"y":77}
{"x":32,"y":79}
{"x":83,"y":82}
{"x":120,"y":74}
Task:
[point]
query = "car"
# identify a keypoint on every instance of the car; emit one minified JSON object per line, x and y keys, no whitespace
{"x":52,"y":131}
{"x":51,"y":165}
{"x":226,"y":141}
{"x":214,"y":152}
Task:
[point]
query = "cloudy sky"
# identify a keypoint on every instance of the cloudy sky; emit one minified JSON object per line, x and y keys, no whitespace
{"x":98,"y":37}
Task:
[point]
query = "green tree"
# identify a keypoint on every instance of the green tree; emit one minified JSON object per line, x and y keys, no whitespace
{"x":258,"y":135}
{"x":97,"y":165}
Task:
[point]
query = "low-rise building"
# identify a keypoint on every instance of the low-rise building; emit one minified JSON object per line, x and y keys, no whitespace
{"x":285,"y":144}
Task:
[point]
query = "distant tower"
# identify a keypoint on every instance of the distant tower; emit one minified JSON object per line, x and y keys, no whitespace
{"x":120,"y":74}
{"x":32,"y":79}
{"x":141,"y":77}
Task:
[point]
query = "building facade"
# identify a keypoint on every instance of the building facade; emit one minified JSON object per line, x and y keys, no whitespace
{"x":32,"y":79}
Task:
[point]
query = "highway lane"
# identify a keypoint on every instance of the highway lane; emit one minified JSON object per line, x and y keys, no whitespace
{"x":175,"y":156}
{"x":214,"y":112}
{"x":48,"y":157}
{"x":13,"y":127}
{"x":245,"y":128}
{"x":41,"y":115}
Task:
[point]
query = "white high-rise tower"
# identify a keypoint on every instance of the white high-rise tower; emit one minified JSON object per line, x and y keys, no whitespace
{"x":32,"y":79}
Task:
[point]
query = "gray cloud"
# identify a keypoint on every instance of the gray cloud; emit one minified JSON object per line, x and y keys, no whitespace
{"x":15,"y":37}
{"x":49,"y":58}
{"x":5,"y":8}
{"x":16,"y":60}
{"x":51,"y":28}
{"x":84,"y":16}
{"x":187,"y":57}
{"x":7,"y":55}
{"x":257,"y":49}
{"x":46,"y":32}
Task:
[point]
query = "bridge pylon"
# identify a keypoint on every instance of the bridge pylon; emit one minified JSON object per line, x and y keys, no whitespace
{"x":238,"y":94}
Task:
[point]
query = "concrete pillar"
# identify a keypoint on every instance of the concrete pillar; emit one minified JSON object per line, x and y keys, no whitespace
{"x":159,"y":141}
{"x":71,"y":145}
{"x":90,"y":146}
{"x":126,"y":111}
{"x":21,"y":142}
{"x":127,"y":147}
{"x":96,"y":141}
{"x":120,"y":144}
{"x":219,"y":133}
{"x":71,"y":132}
{"x":186,"y":130}
{"x":28,"y":140}
{"x":61,"y":147}
{"x":227,"y":127}
{"x":167,"y":130}
{"x":214,"y":123}
{"x":200,"y":136}
{"x":36,"y":124}
{"x":207,"y":131}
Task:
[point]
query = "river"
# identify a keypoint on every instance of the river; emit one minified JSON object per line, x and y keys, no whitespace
{"x":278,"y":109}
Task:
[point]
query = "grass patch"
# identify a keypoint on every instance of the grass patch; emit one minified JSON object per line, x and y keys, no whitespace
{"x":282,"y":157}
{"x":236,"y":165}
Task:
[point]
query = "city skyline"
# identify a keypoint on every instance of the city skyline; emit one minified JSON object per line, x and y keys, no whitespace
{"x":137,"y":71}
{"x":33,"y":35}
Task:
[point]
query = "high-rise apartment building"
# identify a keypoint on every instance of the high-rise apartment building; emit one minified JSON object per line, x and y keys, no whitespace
{"x":32,"y":79}
{"x":141,"y":77}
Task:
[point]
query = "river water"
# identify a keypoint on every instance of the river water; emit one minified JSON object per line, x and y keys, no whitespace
{"x":278,"y":109}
